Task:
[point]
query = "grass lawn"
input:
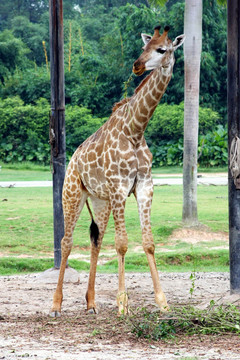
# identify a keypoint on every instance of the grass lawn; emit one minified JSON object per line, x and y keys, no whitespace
{"x":26,"y":222}
{"x":27,"y":171}
{"x":24,"y":172}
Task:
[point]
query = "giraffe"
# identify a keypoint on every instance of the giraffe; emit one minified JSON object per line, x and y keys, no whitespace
{"x":112,"y":164}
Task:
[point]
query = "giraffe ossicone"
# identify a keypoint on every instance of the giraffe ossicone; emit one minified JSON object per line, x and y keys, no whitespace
{"x":112,"y":164}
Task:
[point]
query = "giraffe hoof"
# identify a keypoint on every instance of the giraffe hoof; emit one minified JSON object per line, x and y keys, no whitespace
{"x":165,"y":309}
{"x":92,"y":311}
{"x":55,"y":314}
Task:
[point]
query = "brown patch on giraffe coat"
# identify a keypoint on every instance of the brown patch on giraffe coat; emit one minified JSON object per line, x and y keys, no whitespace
{"x":92,"y":156}
{"x":124,"y":172}
{"x":115,"y":133}
{"x":123,"y":164}
{"x":114,"y":168}
{"x":123,"y":143}
{"x":107,"y":160}
{"x":164,"y":78}
{"x":150,"y":100}
{"x":73,"y":187}
{"x":156,"y":93}
{"x":140,"y":118}
{"x":144,"y":111}
{"x":141,"y":104}
{"x":161,"y":87}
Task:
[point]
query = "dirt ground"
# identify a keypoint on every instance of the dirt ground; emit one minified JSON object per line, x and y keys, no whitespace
{"x":26,"y":330}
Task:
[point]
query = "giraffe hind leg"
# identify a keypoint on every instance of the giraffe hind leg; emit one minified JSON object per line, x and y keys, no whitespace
{"x":102,"y":210}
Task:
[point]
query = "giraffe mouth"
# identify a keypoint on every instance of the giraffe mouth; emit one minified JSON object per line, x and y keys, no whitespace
{"x":138,"y":72}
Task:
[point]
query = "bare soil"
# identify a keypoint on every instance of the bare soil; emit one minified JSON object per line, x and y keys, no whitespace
{"x":201,"y":234}
{"x":26,"y":330}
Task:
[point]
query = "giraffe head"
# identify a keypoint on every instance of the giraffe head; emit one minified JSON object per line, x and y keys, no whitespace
{"x":158,"y":51}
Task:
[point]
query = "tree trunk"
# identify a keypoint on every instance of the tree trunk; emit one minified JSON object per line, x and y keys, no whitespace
{"x":234,"y":131}
{"x":192,"y":56}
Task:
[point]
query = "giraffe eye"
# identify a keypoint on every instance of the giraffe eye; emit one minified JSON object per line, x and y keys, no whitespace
{"x":161,"y":51}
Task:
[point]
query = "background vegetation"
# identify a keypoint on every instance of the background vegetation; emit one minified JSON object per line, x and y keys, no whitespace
{"x":102,"y":40}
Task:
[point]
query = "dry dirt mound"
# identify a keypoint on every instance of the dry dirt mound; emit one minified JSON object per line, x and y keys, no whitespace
{"x":28,"y":332}
{"x":194,"y":236}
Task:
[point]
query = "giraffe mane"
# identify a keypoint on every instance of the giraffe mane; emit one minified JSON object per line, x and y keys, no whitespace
{"x":138,"y":88}
{"x":119,"y":104}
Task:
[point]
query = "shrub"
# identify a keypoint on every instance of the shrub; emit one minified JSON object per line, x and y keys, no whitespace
{"x":167,"y":122}
{"x":213,"y":147}
{"x":80,"y":124}
{"x":24,"y":129}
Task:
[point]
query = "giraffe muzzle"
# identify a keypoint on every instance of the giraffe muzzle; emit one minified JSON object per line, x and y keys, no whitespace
{"x":138,"y":68}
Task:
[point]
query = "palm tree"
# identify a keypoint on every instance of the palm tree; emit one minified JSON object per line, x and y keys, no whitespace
{"x":192,"y":56}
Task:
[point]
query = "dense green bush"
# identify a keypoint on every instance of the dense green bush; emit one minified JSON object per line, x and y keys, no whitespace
{"x":167,"y":153}
{"x":213,"y":147}
{"x":212,"y":150}
{"x":24,"y":129}
{"x":167,"y":122}
{"x":24,"y":133}
{"x":80,"y":124}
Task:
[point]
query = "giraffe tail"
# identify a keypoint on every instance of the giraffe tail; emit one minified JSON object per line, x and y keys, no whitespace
{"x":94,"y":230}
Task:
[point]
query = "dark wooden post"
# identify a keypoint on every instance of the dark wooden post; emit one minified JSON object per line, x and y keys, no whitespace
{"x":57,"y":121}
{"x":234,"y":130}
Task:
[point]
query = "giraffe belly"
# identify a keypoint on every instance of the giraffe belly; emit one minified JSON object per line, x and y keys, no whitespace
{"x":95,"y":183}
{"x":102,"y":188}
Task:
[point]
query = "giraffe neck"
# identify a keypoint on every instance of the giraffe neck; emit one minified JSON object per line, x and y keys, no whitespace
{"x":146,"y":98}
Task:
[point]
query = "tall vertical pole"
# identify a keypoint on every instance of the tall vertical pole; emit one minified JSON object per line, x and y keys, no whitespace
{"x":233,"y":88}
{"x":57,"y":121}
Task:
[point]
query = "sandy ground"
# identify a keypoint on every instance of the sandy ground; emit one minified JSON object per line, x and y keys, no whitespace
{"x":26,"y":331}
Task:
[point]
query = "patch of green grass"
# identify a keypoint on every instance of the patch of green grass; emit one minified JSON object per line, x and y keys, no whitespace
{"x":25,"y":171}
{"x":26,"y":218}
{"x":26,"y":222}
{"x":24,"y":165}
{"x":179,"y":170}
{"x":174,"y":262}
{"x":169,"y":262}
{"x":14,"y":265}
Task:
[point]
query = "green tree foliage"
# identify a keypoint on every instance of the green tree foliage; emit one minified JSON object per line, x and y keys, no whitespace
{"x":106,"y":39}
{"x":102,"y":39}
{"x":12,"y":53}
{"x":32,"y":9}
{"x":32,"y":35}
{"x":29,"y":84}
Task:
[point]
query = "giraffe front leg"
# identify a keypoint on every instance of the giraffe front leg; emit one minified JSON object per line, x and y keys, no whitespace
{"x":121,"y":243}
{"x":144,"y":193}
{"x":122,"y":297}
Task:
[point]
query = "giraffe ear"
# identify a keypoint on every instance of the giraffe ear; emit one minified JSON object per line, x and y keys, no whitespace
{"x":178,"y":41}
{"x":146,"y":38}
